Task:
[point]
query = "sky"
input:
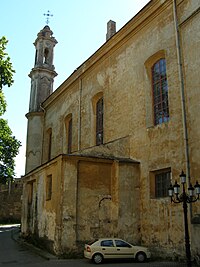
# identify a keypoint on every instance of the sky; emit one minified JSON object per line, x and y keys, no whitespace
{"x":79,"y":27}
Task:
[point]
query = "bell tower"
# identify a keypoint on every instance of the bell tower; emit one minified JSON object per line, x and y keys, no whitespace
{"x":42,"y":78}
{"x":43,"y":73}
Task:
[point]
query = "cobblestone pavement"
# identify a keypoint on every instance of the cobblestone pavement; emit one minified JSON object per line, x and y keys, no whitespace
{"x":18,"y":254}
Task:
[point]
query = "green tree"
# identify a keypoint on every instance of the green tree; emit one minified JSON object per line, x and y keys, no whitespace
{"x":6,"y":72}
{"x":9,"y":145}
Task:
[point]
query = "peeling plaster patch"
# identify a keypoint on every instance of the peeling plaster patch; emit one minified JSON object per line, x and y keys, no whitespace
{"x":121,"y":63}
{"x":47,"y":225}
{"x":50,"y":225}
{"x":101,"y":78}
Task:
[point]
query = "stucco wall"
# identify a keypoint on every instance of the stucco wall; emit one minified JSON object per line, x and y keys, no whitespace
{"x":121,"y":72}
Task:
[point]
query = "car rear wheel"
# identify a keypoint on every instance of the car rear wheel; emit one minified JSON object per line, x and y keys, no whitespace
{"x":97,"y":258}
{"x":140,"y":257}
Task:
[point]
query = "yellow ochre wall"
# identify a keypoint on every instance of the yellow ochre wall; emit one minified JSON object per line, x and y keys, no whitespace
{"x":120,"y":71}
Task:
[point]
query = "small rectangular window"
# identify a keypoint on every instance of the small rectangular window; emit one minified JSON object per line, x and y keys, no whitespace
{"x":48,"y":187}
{"x":162,"y":183}
{"x":159,"y":183}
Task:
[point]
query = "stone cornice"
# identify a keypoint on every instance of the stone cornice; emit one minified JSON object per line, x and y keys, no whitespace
{"x":42,"y":70}
{"x":34,"y":113}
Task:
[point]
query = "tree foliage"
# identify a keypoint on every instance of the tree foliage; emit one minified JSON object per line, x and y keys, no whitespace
{"x":9,"y":145}
{"x":6,"y":72}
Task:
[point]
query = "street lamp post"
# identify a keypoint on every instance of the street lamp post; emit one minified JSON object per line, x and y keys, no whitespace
{"x":184,"y":197}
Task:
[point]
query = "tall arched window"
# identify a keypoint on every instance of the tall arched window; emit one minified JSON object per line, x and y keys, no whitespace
{"x":99,"y":122}
{"x":160,"y":92}
{"x":69,"y":137}
{"x":46,"y":54}
{"x":68,"y":127}
{"x":49,"y":139}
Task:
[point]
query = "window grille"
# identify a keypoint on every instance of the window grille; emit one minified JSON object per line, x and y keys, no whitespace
{"x":160,"y":92}
{"x":162,"y":183}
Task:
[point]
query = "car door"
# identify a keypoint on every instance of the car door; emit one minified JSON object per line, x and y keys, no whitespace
{"x":108,"y":248}
{"x":124,"y":249}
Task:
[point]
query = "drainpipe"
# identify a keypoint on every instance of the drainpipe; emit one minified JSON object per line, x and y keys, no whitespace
{"x":182,"y":92}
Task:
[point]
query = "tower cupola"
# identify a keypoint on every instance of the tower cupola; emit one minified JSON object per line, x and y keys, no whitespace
{"x":44,"y":45}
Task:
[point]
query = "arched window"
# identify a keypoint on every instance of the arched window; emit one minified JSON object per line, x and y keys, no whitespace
{"x":49,"y":139}
{"x":99,"y":122}
{"x":160,"y":92}
{"x":68,"y":127}
{"x":46,"y":54}
{"x":69,"y":148}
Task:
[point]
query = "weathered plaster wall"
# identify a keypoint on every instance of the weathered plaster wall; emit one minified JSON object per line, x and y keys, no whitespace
{"x":121,"y":72}
{"x":42,"y":216}
{"x":129,"y":203}
{"x":190,"y":39}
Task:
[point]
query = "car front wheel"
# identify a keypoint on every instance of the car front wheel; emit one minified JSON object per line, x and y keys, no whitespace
{"x":97,"y":258}
{"x":140,"y":257}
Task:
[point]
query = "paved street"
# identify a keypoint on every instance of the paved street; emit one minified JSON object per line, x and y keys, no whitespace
{"x":13,"y":254}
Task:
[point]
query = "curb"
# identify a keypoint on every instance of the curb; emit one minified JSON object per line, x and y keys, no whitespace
{"x":15,"y":235}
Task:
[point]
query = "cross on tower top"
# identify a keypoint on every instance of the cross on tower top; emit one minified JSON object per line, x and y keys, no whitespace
{"x":47,"y":15}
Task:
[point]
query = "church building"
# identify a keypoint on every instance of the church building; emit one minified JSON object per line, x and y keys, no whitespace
{"x":104,"y":147}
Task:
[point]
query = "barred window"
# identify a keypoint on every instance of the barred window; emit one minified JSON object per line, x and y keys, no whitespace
{"x":162,"y":183}
{"x":160,"y":92}
{"x":99,"y":122}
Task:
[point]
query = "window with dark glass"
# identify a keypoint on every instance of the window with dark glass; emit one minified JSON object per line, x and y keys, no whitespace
{"x":121,"y":243}
{"x":69,"y":149}
{"x":160,"y":92}
{"x":162,"y":183}
{"x":99,"y":122}
{"x":107,"y":243}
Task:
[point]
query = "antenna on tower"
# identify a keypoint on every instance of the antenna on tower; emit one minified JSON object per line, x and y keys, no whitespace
{"x":48,"y":15}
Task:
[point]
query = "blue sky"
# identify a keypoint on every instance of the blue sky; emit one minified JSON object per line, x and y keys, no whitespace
{"x":80,"y":29}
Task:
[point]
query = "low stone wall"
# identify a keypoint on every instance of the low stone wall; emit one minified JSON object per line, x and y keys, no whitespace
{"x":10,"y":202}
